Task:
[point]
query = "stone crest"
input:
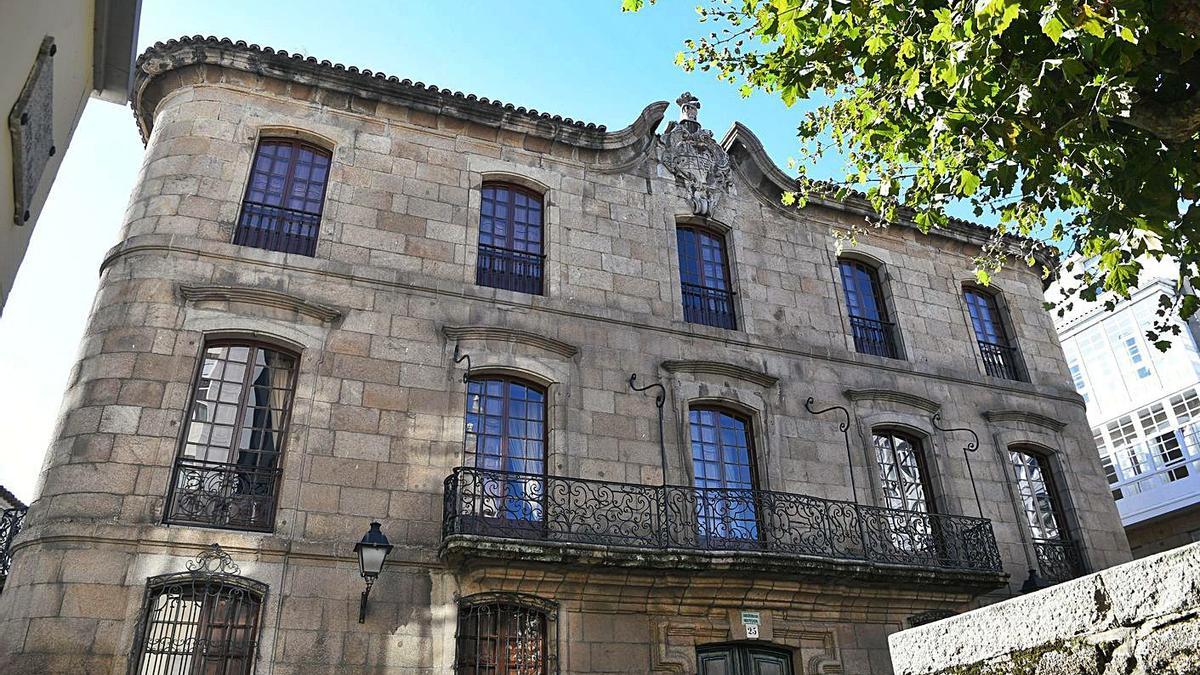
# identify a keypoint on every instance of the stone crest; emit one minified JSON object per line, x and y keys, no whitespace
{"x":694,"y":156}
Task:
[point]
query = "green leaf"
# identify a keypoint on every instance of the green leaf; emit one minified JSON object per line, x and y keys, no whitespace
{"x":632,"y":5}
{"x":968,"y":183}
{"x":1052,"y":27}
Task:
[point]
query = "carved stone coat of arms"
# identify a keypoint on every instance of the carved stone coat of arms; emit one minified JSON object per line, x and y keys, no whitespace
{"x":694,"y":156}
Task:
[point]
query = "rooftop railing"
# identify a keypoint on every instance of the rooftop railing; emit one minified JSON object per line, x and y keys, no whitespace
{"x":556,"y":510}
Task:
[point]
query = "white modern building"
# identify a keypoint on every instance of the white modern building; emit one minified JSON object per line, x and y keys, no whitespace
{"x":1144,"y":408}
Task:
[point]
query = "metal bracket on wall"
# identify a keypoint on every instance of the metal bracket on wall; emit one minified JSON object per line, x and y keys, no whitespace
{"x":844,"y":427}
{"x":459,"y":357}
{"x":967,"y":449}
{"x":659,"y":399}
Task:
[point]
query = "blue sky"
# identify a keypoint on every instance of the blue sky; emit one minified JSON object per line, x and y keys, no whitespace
{"x":579,"y":58}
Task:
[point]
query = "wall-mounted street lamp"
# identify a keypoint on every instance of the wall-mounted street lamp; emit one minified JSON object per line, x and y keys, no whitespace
{"x":372,"y":550}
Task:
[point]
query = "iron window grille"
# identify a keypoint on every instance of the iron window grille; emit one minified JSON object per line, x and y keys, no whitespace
{"x":1000,"y":357}
{"x":704,"y":278}
{"x":511,"y":242}
{"x":284,"y":197}
{"x":872,"y":332}
{"x":228,"y":470}
{"x":1058,"y":556}
{"x":204,"y":620}
{"x":506,"y":634}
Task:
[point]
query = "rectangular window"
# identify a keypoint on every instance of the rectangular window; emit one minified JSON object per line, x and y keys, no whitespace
{"x":284,"y":197}
{"x":704,"y":277}
{"x":873,"y":333}
{"x":998,"y":354}
{"x":228,"y":469}
{"x":510,"y":239}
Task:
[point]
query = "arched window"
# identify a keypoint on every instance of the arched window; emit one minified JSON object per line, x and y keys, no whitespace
{"x":1057,"y":556}
{"x":506,"y":634}
{"x":284,"y":197}
{"x":873,"y":333}
{"x":999,"y":355}
{"x":510,"y":239}
{"x":725,"y":480}
{"x":228,"y":469}
{"x":903,"y":474}
{"x":202,"y":621}
{"x":704,"y":276}
{"x":506,"y":443}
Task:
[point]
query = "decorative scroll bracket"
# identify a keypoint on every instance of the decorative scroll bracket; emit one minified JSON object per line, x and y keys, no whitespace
{"x":459,"y":357}
{"x":967,"y":449}
{"x":844,"y":427}
{"x":659,"y":400}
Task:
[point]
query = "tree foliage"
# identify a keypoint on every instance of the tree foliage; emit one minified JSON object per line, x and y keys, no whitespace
{"x":1076,"y":122}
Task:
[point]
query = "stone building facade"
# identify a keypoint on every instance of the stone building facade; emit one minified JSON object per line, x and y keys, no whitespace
{"x":441,"y":323}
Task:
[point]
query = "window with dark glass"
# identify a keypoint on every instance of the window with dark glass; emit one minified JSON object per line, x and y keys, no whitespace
{"x":704,"y":276}
{"x":1057,"y":555}
{"x":199,"y":623}
{"x":505,"y":635}
{"x":506,"y":439}
{"x":284,"y":198}
{"x":723,"y":463}
{"x":510,"y":239}
{"x":228,"y":469}
{"x":873,"y":333}
{"x":999,"y":355}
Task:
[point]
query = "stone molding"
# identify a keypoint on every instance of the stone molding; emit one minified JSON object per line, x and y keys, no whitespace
{"x":1033,"y":418}
{"x":262,"y":297}
{"x":157,"y":244}
{"x":512,"y":335}
{"x":165,"y":58}
{"x":903,"y":398}
{"x":734,"y":371}
{"x":770,"y":183}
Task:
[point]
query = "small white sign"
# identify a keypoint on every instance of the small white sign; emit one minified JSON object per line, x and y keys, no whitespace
{"x":751,"y":631}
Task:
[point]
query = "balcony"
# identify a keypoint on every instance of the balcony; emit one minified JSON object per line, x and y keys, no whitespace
{"x":708,"y":306}
{"x":1058,"y":560}
{"x":503,"y":515}
{"x":11,"y":521}
{"x":1000,"y":360}
{"x":223,"y":495}
{"x":508,"y":269}
{"x":277,"y":229}
{"x":873,"y":337}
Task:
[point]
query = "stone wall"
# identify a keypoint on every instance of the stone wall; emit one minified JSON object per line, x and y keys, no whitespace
{"x":377,"y":421}
{"x":1139,"y":618}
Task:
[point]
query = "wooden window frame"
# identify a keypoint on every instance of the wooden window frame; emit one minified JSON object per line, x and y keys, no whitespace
{"x":926,"y":478}
{"x":170,"y":509}
{"x":271,"y":238}
{"x":507,"y":254}
{"x":701,"y":315}
{"x":876,"y":335}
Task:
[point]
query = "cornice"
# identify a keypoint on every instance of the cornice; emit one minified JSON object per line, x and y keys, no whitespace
{"x":723,"y":369}
{"x":770,"y":182}
{"x":164,"y":58}
{"x":1033,"y":418}
{"x":262,"y":297}
{"x":892,"y":396}
{"x":513,"y":335}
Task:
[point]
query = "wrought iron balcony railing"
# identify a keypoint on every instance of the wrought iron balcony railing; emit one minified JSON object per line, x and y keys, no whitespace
{"x":508,"y":269}
{"x":508,"y":505}
{"x":218,"y":494}
{"x":708,"y":306}
{"x":275,"y":228}
{"x":11,"y":521}
{"x":873,"y":337}
{"x":1000,"y":360}
{"x":1058,"y":560}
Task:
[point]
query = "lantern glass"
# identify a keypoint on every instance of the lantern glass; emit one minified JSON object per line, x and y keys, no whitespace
{"x":370,"y":559}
